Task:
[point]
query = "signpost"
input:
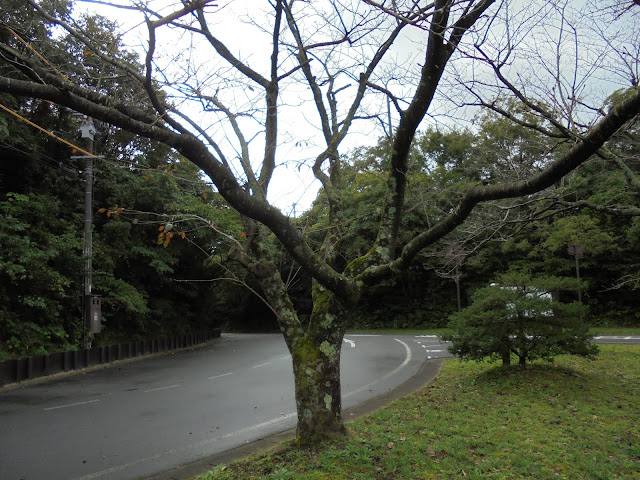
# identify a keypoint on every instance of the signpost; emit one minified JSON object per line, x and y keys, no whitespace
{"x":576,"y":250}
{"x":456,"y":255}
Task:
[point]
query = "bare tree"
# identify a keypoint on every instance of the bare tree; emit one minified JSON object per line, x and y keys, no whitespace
{"x":335,"y":65}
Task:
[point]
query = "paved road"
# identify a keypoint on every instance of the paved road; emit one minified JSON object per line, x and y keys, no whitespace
{"x":617,"y":339}
{"x":138,"y":419}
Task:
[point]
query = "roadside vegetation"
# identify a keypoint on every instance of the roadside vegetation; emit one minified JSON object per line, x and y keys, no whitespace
{"x":594,"y":331}
{"x":573,"y":418}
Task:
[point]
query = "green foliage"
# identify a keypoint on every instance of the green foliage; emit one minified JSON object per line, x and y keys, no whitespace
{"x":517,"y":315}
{"x":40,"y":261}
{"x":140,"y":185}
{"x":534,"y":237}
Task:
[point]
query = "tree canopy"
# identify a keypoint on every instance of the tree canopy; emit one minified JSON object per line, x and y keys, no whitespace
{"x":235,"y":109}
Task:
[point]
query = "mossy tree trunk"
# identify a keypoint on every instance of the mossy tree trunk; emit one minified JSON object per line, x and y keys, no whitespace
{"x":316,"y":366}
{"x":315,"y":348}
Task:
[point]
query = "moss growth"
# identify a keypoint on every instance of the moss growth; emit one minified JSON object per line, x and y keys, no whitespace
{"x":327,"y":349}
{"x":360,"y":264}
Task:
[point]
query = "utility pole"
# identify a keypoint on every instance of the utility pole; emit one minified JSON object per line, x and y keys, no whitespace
{"x":87,"y":134}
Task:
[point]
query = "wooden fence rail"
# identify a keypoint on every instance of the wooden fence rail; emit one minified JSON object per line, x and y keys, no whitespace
{"x":19,"y":369}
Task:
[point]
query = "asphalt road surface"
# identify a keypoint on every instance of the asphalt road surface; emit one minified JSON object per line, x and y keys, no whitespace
{"x":137,"y":419}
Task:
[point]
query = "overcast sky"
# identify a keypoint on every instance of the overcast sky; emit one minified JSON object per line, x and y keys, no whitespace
{"x":535,"y":33}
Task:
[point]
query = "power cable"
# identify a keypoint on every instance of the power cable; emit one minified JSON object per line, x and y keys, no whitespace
{"x":44,"y":130}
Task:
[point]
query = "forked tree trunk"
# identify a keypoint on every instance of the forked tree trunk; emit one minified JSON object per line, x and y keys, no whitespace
{"x":315,"y":349}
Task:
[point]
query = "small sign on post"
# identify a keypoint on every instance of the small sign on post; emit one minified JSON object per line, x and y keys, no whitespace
{"x":575,"y":250}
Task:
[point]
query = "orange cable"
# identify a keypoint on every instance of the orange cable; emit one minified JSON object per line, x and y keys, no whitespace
{"x":37,"y":54}
{"x":47,"y":132}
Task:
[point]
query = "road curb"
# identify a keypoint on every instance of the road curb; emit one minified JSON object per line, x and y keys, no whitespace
{"x":428,"y":371}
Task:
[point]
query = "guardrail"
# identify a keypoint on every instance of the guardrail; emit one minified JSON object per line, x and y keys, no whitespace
{"x":19,"y":369}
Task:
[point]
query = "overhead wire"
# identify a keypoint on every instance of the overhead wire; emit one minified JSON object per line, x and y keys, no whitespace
{"x":47,"y":132}
{"x":28,"y":45}
{"x":29,"y":122}
{"x":44,"y":130}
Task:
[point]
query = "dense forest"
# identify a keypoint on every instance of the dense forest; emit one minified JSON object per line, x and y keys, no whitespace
{"x":530,"y":236}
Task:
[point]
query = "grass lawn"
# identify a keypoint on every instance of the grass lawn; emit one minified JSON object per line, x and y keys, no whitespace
{"x":439,"y":331}
{"x":573,"y":419}
{"x":614,"y":331}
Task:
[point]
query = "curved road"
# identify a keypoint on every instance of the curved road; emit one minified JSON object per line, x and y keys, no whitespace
{"x":138,"y":419}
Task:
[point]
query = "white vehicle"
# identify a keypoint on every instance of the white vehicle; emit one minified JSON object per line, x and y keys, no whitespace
{"x":530,"y":292}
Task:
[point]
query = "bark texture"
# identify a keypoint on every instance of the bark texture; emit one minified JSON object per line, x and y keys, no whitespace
{"x":316,"y":366}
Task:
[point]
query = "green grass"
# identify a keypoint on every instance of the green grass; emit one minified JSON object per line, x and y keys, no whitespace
{"x":573,"y":419}
{"x":439,"y":331}
{"x":614,"y":331}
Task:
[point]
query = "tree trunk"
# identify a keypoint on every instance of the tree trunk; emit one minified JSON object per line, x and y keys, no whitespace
{"x":316,"y":366}
{"x":315,"y":348}
{"x":506,"y":358}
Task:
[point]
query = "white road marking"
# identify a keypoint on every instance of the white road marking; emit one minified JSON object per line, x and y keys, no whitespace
{"x":384,"y":377}
{"x":617,"y":337}
{"x":219,"y":376}
{"x":363,"y":335}
{"x":426,"y":336}
{"x":262,"y":365}
{"x":161,"y":388}
{"x":350,"y":342}
{"x":285,"y":357}
{"x":435,"y":351}
{"x":209,"y":441}
{"x":71,"y":405}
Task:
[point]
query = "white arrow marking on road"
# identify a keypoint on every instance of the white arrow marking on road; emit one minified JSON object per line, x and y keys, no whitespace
{"x":350,"y":342}
{"x":384,"y":377}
